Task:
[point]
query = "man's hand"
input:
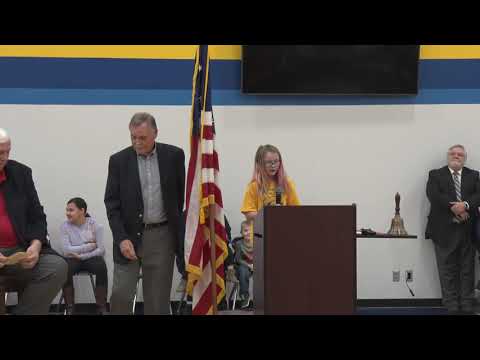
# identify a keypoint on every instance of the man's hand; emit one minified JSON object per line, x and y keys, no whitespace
{"x":3,"y":259}
{"x":460,"y":210}
{"x":127,"y":250}
{"x":33,"y":253}
{"x":463,"y":216}
{"x":458,"y":207}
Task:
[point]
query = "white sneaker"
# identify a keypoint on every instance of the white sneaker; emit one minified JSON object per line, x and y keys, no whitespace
{"x":245,"y":302}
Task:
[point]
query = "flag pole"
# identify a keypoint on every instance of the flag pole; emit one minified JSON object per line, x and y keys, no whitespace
{"x":213,"y":258}
{"x":211,"y":211}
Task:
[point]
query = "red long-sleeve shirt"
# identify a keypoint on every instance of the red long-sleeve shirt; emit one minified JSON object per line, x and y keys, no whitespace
{"x":8,"y":238}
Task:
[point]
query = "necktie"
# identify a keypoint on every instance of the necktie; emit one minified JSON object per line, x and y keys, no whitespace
{"x":458,"y":190}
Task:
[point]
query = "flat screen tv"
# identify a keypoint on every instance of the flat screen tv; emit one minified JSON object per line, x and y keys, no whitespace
{"x":330,"y":69}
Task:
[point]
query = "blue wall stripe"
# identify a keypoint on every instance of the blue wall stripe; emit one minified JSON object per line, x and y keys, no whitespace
{"x":52,"y":73}
{"x":95,"y":97}
{"x":449,"y":74}
{"x":223,"y":97}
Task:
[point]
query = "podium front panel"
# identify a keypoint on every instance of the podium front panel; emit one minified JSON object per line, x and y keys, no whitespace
{"x":305,"y":260}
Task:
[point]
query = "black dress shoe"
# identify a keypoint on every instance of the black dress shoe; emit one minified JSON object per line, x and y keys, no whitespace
{"x":101,"y":310}
{"x":467,"y":309}
{"x":453,"y":310}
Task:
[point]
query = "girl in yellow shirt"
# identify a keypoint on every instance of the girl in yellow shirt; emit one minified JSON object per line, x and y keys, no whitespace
{"x":269,"y":177}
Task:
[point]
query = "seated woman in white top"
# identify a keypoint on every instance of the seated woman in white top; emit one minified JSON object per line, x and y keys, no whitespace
{"x":84,"y":250}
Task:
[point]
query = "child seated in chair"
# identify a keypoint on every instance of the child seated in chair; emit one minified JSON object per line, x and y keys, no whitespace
{"x":84,"y":251}
{"x":243,"y":259}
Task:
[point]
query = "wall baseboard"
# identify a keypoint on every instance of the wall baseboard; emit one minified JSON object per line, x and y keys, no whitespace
{"x":434,"y":302}
{"x":89,"y":308}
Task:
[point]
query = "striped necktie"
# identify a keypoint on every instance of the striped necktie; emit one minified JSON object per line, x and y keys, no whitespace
{"x":458,"y":190}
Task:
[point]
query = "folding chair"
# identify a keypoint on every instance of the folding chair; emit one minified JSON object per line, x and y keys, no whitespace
{"x":92,"y":282}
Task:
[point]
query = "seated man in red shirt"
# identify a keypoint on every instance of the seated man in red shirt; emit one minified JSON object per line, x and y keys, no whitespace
{"x":23,"y":228}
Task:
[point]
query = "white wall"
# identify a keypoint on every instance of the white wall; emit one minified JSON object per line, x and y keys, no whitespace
{"x":334,"y":154}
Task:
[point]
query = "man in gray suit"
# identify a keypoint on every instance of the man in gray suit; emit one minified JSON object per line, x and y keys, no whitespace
{"x":144,"y":198}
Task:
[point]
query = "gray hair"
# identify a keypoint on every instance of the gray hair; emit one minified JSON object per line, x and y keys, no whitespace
{"x":458,"y":146}
{"x":143,"y":117}
{"x":4,"y":137}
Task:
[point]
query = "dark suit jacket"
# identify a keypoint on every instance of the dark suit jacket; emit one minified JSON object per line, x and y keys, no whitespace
{"x":123,"y":194}
{"x":440,"y":192}
{"x":23,"y":206}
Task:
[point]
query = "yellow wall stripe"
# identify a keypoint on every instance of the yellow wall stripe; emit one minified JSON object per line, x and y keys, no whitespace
{"x":218,"y":52}
{"x":450,"y":52}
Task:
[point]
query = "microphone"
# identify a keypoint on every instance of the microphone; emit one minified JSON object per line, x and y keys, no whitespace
{"x":278,"y":196}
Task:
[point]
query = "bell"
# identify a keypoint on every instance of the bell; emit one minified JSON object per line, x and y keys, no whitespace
{"x":397,"y":227}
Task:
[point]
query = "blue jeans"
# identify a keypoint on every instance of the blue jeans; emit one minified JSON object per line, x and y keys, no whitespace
{"x":243,"y":274}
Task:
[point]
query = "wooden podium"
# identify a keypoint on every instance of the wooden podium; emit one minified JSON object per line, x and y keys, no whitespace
{"x":305,"y":260}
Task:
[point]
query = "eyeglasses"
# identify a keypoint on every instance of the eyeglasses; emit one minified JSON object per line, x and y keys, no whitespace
{"x":459,"y":154}
{"x":272,"y":162}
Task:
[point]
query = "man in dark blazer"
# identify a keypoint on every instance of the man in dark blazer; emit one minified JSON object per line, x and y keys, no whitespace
{"x":454,"y":194}
{"x":23,"y":228}
{"x":144,"y":198}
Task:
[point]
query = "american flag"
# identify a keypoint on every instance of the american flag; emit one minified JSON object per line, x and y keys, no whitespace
{"x":203,"y":190}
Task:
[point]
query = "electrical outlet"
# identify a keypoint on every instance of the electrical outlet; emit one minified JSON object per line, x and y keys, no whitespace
{"x":409,"y":275}
{"x":396,"y":276}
